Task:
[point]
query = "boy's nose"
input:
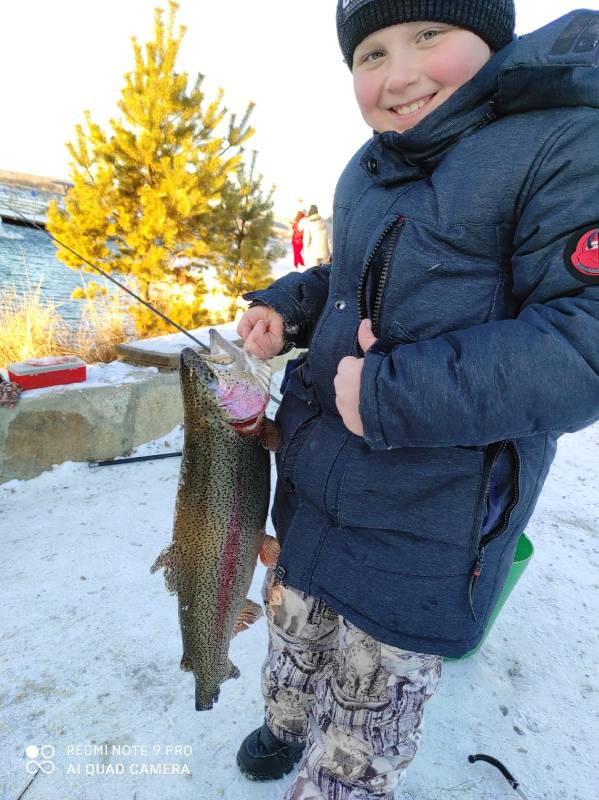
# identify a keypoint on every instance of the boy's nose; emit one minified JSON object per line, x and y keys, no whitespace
{"x":401,"y":73}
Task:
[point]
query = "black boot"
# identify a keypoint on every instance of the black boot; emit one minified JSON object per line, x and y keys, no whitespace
{"x":264,"y":757}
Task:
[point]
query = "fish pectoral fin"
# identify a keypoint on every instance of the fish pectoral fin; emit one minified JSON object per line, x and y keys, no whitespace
{"x":270,"y":435}
{"x":250,"y":612}
{"x":270,"y":550}
{"x":166,"y":561}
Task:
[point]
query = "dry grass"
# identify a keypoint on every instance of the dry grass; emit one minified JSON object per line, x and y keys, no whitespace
{"x":105,"y":323}
{"x":31,"y":327}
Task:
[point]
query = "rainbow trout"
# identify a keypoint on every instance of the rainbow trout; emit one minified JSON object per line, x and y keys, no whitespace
{"x":221,"y":507}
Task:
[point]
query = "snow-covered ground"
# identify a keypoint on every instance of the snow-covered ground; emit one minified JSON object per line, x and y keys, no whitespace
{"x":89,"y":653}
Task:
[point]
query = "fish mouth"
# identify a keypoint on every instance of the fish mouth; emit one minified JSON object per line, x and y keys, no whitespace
{"x":241,"y":401}
{"x":240,"y":394}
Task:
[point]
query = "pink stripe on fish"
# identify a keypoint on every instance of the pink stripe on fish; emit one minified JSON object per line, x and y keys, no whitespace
{"x":228,"y":564}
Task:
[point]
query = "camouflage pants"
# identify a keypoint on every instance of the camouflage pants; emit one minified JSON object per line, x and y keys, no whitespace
{"x":357,"y":703}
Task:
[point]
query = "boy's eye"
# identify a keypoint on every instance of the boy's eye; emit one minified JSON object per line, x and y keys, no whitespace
{"x":373,"y":55}
{"x":427,"y":35}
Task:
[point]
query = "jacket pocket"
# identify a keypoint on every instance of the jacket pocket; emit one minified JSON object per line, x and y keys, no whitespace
{"x":443,"y":278}
{"x":297,"y":410}
{"x":504,"y":468}
{"x":412,"y":511}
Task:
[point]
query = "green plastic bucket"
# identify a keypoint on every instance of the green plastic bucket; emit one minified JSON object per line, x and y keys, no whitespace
{"x":524,"y":552}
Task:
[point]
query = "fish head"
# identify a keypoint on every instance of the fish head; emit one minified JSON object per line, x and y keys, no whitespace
{"x":228,"y":381}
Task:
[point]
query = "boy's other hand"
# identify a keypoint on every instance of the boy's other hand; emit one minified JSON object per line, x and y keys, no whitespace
{"x":347,"y":382}
{"x":261,"y":329}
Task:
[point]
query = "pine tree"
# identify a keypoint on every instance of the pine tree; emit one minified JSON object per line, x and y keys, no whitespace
{"x":146,"y":190}
{"x":244,"y":244}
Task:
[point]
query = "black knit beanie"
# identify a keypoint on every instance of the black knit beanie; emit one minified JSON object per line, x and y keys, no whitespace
{"x":492,"y":20}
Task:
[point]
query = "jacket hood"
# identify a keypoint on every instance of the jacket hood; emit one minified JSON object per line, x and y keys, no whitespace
{"x":557,"y":65}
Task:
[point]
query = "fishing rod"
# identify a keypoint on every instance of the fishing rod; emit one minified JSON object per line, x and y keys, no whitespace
{"x":105,"y":275}
{"x":113,"y":280}
{"x":114,"y":462}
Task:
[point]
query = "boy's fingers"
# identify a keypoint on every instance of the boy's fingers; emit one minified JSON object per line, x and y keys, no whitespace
{"x":366,"y":338}
{"x":250,"y":344}
{"x":244,"y":328}
{"x":346,"y":364}
{"x":259,"y":343}
{"x":263,"y":336}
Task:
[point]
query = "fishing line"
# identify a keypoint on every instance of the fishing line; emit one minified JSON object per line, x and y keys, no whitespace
{"x":105,"y":275}
{"x":113,"y":280}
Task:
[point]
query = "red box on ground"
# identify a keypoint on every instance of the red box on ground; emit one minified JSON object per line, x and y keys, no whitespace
{"x":37,"y":373}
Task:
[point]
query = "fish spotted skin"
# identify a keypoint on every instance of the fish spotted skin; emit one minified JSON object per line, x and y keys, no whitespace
{"x":220,"y":511}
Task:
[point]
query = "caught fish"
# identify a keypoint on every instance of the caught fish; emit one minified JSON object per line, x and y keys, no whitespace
{"x":221,"y":507}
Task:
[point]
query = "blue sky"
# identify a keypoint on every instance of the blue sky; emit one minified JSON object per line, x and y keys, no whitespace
{"x":62,"y":57}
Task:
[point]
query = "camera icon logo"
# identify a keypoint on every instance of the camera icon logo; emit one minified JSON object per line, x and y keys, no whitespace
{"x":40,"y":758}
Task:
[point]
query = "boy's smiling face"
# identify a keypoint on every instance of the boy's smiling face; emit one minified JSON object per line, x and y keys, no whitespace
{"x":404,"y":72}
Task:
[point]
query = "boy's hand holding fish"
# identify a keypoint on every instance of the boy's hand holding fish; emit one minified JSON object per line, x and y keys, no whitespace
{"x":261,"y":328}
{"x":347,"y":382}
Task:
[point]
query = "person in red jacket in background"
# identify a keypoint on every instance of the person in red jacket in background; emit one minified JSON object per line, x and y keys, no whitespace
{"x":297,"y":239}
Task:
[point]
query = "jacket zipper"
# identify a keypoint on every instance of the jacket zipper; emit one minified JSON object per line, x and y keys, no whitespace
{"x":501,"y":527}
{"x":378,"y":301}
{"x":398,"y":223}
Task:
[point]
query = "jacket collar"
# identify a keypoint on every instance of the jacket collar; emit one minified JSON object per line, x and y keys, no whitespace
{"x":395,"y":156}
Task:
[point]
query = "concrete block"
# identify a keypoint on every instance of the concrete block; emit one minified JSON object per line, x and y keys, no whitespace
{"x":87,"y":422}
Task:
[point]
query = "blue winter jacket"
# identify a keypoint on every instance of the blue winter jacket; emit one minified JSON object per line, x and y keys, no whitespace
{"x":471,"y":241}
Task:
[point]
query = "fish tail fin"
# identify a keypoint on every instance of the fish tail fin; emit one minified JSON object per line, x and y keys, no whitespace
{"x":250,"y":612}
{"x":205,"y":703}
{"x":207,"y":694}
{"x":270,"y":550}
{"x":166,"y":561}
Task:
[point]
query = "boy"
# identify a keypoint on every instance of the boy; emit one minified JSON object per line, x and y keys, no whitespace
{"x":452,"y":340}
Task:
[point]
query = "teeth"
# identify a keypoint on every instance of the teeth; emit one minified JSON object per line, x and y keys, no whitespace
{"x":411,"y":108}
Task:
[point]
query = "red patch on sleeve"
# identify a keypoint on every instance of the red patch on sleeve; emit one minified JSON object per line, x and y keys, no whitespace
{"x":582,"y":255}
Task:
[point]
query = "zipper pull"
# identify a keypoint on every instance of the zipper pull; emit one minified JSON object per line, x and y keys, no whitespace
{"x":491,"y":114}
{"x":478,"y":568}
